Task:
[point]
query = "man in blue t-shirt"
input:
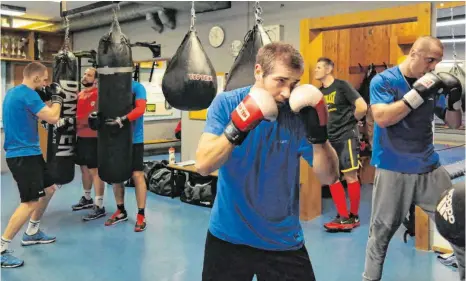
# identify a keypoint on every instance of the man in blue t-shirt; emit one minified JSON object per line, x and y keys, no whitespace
{"x":137,"y":117}
{"x":255,"y":136}
{"x":22,"y":107}
{"x":408,"y":169}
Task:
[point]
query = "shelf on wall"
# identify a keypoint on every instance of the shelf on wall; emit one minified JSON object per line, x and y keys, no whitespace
{"x":23,"y":60}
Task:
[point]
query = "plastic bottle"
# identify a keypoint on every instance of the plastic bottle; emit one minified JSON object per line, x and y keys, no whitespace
{"x":171,"y":155}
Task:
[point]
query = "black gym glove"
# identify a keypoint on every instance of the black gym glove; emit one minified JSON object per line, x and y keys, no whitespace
{"x":118,"y":122}
{"x":45,"y":93}
{"x":423,"y":88}
{"x":94,"y":121}
{"x":63,"y":124}
{"x":57,"y":94}
{"x":452,"y":89}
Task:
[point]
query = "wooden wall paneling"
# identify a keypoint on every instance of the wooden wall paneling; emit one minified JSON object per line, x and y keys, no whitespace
{"x":344,"y":54}
{"x":310,"y":202}
{"x":304,"y":41}
{"x":419,"y":15}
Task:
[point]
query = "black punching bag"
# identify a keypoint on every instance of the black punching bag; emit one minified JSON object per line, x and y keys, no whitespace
{"x":115,"y":67}
{"x":449,"y":214}
{"x":61,"y":142}
{"x":190,"y":80}
{"x":242,"y":72}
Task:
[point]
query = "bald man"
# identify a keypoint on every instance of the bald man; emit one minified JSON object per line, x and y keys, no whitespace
{"x":408,"y":169}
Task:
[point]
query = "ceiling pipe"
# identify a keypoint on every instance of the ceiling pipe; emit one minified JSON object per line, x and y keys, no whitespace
{"x":91,"y":20}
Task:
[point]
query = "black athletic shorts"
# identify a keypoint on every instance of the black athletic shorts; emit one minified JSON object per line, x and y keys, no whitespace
{"x":138,"y":157}
{"x":348,"y":154}
{"x":86,"y":152}
{"x":31,"y":175}
{"x":224,"y":261}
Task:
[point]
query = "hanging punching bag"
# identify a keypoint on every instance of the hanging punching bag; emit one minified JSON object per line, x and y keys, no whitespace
{"x":190,"y":80}
{"x":115,"y":67}
{"x":62,"y":140}
{"x":241,"y":73}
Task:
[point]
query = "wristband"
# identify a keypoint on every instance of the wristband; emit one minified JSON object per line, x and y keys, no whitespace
{"x":234,"y":135}
{"x":412,"y":99}
{"x":57,"y":99}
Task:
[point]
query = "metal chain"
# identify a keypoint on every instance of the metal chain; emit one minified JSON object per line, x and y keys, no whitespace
{"x":258,"y":13}
{"x":453,"y":37}
{"x":66,"y":45}
{"x":115,"y":17}
{"x":193,"y":17}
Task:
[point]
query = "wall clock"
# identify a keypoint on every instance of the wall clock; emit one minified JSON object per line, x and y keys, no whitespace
{"x":216,"y":36}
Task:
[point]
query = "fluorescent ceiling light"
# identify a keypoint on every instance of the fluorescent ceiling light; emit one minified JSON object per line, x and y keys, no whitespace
{"x":9,"y":10}
{"x":456,"y":40}
{"x":451,"y":22}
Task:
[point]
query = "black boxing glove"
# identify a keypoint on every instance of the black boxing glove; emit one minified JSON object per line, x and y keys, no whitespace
{"x":45,"y":94}
{"x":57,"y":93}
{"x":118,"y":122}
{"x":423,"y":88}
{"x":452,"y":89}
{"x":94,"y":121}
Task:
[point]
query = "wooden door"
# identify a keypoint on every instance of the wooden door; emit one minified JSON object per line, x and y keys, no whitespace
{"x":377,"y":36}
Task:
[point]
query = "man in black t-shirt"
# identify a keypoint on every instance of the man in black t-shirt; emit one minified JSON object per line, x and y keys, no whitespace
{"x":345,"y":108}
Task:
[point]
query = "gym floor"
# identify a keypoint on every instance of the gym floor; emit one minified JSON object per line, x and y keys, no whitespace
{"x":171,"y":248}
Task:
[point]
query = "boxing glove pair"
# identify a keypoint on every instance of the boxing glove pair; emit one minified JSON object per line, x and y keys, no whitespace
{"x":259,"y":105}
{"x":432,"y":84}
{"x":53,"y":93}
{"x":95,"y":121}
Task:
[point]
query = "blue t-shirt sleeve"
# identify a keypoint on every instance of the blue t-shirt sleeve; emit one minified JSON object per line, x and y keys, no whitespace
{"x":218,"y":116}
{"x":379,"y":91}
{"x":139,"y":90}
{"x":33,"y":102}
{"x":306,"y":151}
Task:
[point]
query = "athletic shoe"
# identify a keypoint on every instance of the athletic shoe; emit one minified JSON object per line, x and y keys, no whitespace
{"x":339,"y":224}
{"x":140,"y":223}
{"x":38,"y":238}
{"x":355,"y":220}
{"x":83,"y":204}
{"x":10,"y":261}
{"x":116,"y":218}
{"x":95,"y":213}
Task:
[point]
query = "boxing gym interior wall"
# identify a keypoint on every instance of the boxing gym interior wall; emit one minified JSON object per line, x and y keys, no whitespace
{"x":235,"y":22}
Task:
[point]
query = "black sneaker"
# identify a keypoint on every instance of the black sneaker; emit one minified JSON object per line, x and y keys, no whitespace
{"x":355,"y":220}
{"x":95,"y":214}
{"x":83,"y":204}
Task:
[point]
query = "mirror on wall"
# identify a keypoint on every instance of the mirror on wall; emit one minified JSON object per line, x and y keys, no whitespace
{"x":450,"y":29}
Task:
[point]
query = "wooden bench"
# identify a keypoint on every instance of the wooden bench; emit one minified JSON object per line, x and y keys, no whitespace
{"x":160,"y":141}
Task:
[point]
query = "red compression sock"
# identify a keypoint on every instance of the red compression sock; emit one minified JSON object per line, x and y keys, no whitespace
{"x":339,"y":198}
{"x":354,"y":191}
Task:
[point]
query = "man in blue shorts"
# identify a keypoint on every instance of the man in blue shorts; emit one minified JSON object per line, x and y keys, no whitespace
{"x":408,"y":169}
{"x":137,"y":117}
{"x":255,"y":136}
{"x":22,"y":107}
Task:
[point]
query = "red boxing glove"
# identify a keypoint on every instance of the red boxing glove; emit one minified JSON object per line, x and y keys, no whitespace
{"x":258,"y":105}
{"x":309,"y":102}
